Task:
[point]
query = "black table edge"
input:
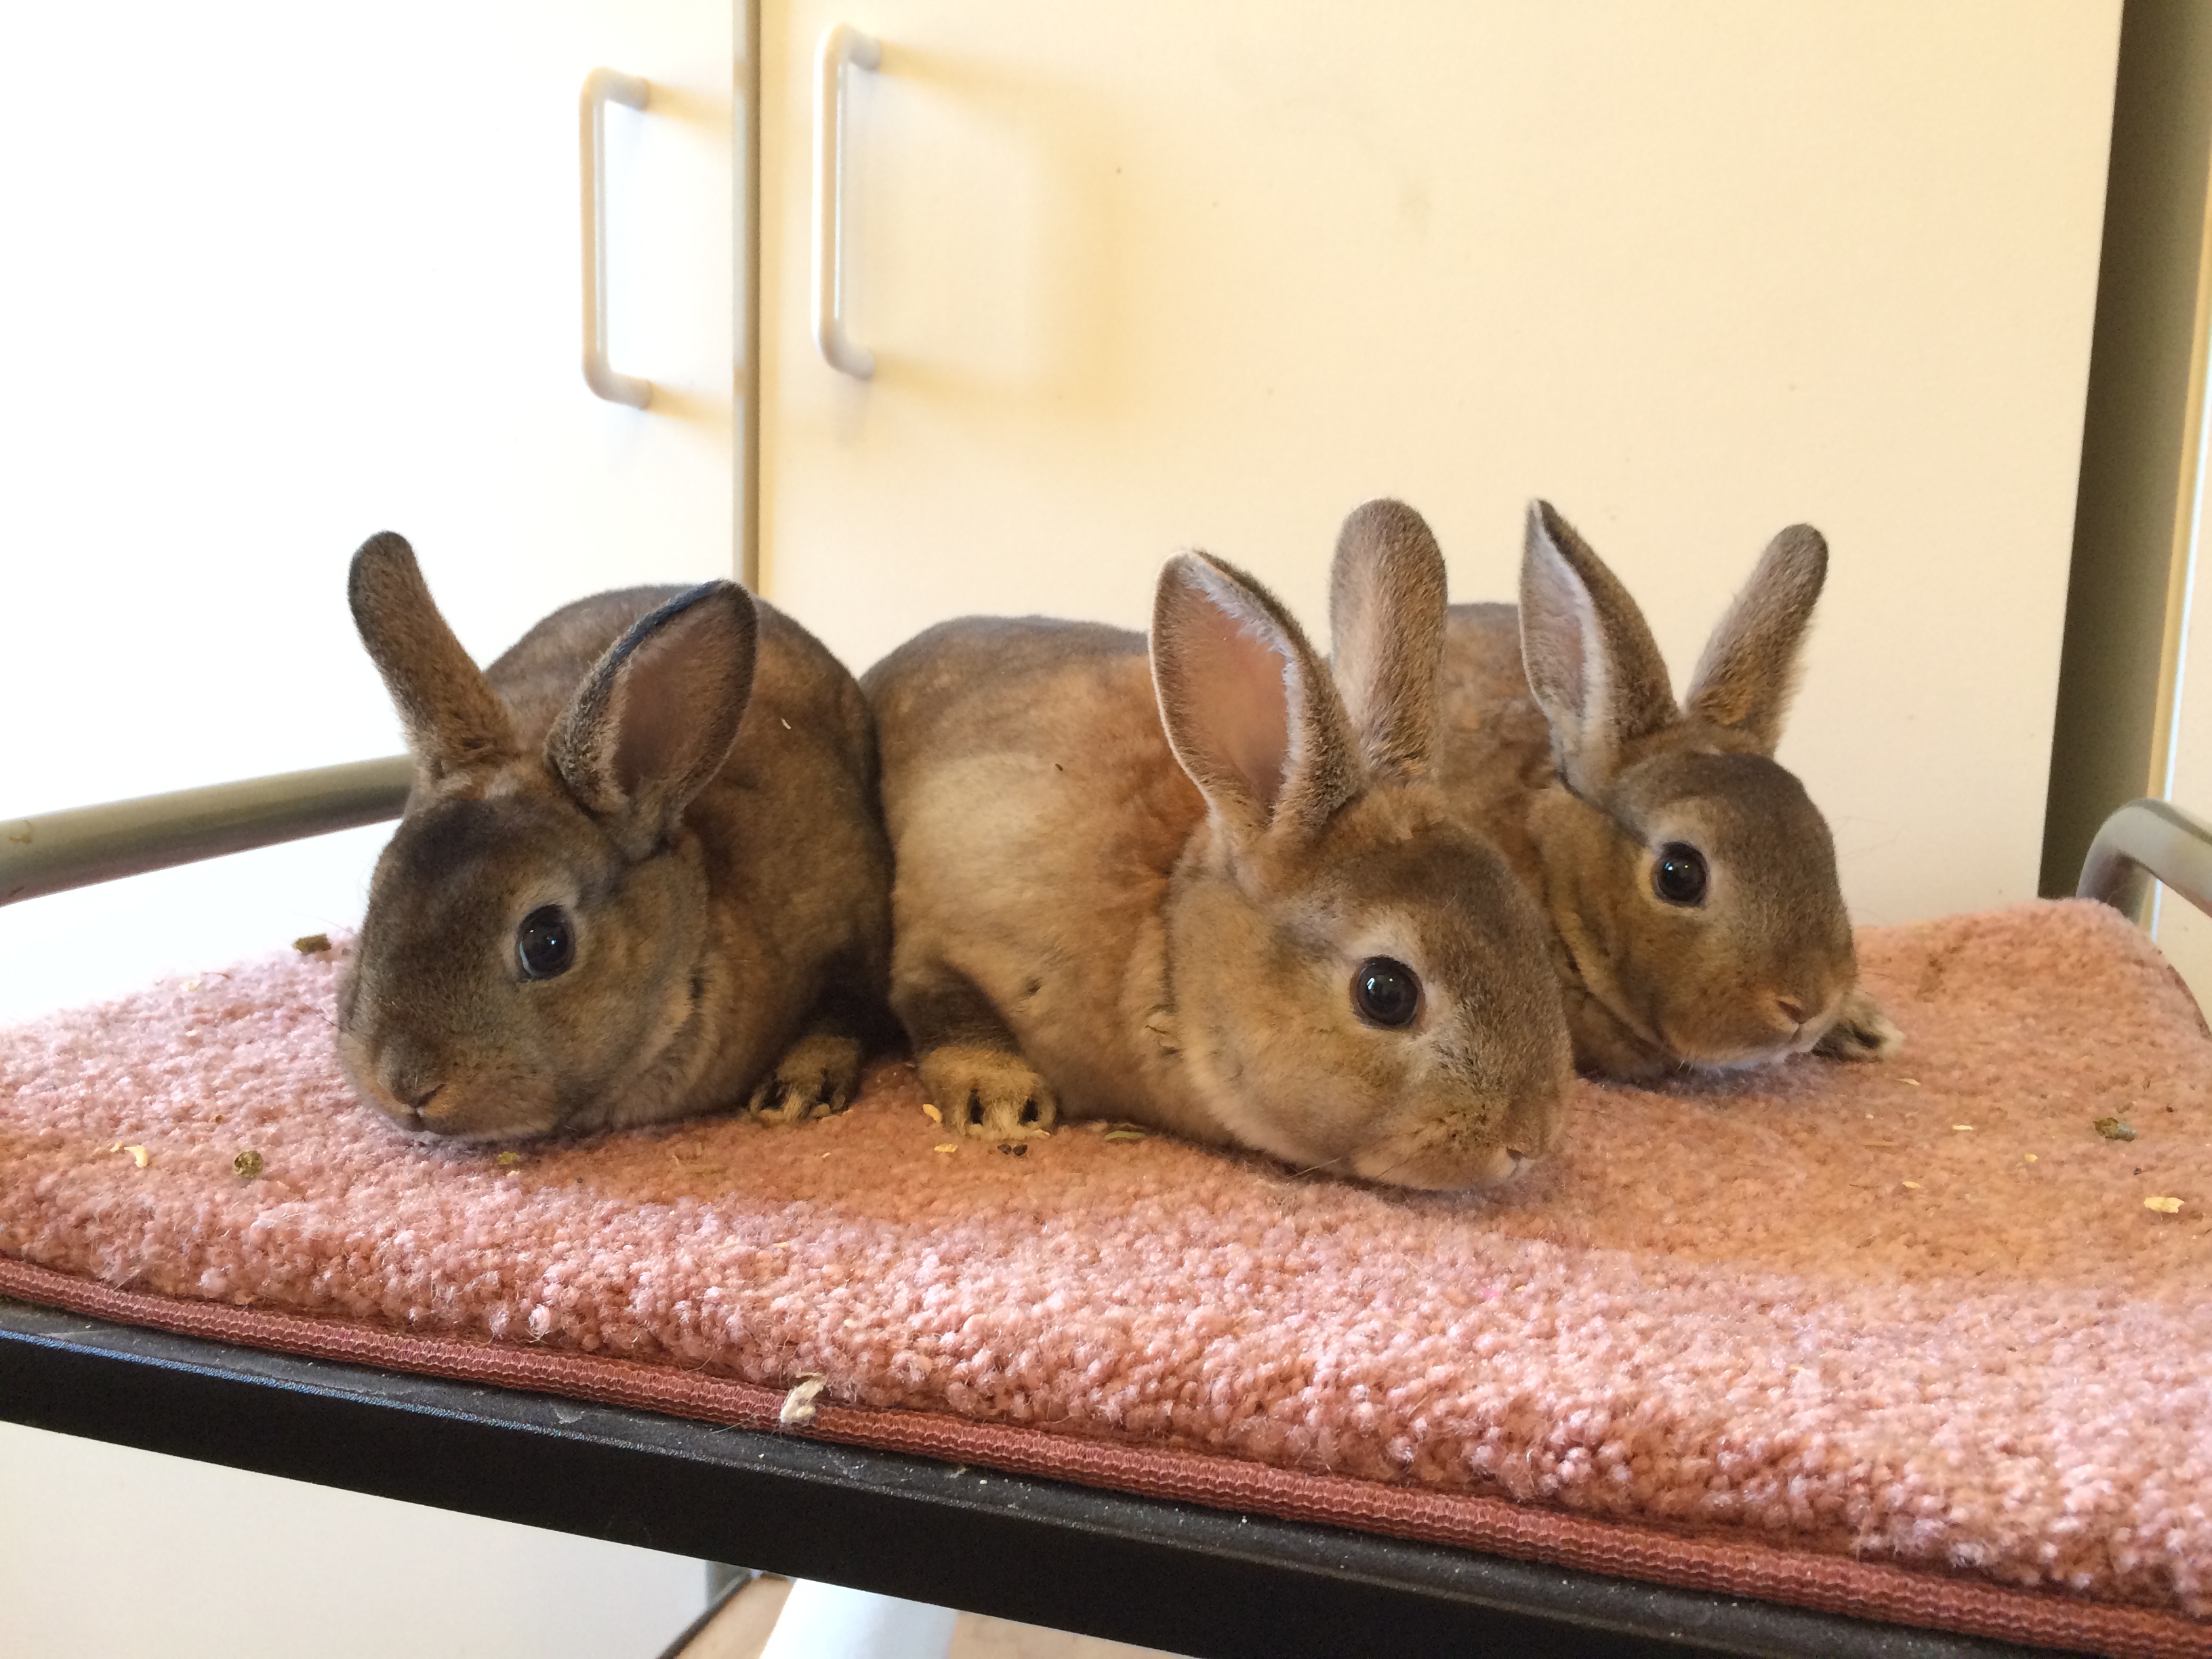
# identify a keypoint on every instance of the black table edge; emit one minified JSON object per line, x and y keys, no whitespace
{"x":1206,"y":1583}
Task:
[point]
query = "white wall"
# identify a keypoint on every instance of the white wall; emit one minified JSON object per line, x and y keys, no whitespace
{"x":279,"y":277}
{"x":106,"y":1553}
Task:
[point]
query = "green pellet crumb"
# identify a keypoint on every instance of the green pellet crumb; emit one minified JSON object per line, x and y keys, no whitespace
{"x":246,"y":1166}
{"x":309,"y":945}
{"x":2113,"y":1130}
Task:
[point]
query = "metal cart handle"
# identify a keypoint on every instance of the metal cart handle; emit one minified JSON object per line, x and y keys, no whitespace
{"x":2143,"y":841}
{"x":56,"y":851}
{"x":2148,"y":841}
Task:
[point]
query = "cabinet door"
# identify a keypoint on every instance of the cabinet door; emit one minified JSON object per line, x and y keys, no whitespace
{"x":281,"y":275}
{"x":1158,"y":275}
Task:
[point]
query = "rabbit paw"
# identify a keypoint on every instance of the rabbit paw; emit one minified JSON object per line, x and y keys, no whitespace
{"x":816,"y":1077}
{"x":1862,"y":1032}
{"x":988,"y":1094}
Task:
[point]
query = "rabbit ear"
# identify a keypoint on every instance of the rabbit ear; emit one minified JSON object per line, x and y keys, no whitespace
{"x":1249,"y":709}
{"x":1749,"y":669}
{"x":1386,"y":613}
{"x":1592,"y":662}
{"x":654,"y":719}
{"x":452,"y":718}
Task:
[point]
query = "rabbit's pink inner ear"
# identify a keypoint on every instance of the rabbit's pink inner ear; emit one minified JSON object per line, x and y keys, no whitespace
{"x":682,"y":695}
{"x":654,"y":719}
{"x":1241,"y":690}
{"x":1223,"y":690}
{"x":1558,"y":642}
{"x":1592,"y":662}
{"x":1248,"y":709}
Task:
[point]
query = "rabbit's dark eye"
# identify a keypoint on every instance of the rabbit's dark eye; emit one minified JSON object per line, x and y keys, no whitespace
{"x":1386,"y":993}
{"x":546,"y":942}
{"x":1679,"y":878}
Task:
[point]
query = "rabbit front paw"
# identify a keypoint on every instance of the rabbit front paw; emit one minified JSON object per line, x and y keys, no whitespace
{"x":1862,"y":1032}
{"x":987,"y":1093}
{"x":817,"y":1076}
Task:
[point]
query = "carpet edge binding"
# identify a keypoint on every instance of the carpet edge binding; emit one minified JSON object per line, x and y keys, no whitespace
{"x":1496,"y":1526}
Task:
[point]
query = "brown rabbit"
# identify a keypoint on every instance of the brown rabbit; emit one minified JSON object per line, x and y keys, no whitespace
{"x":640,"y":873}
{"x":1689,"y":881}
{"x":1208,"y":893}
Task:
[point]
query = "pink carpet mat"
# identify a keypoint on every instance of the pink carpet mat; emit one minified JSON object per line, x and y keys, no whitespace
{"x":1903,"y":1341}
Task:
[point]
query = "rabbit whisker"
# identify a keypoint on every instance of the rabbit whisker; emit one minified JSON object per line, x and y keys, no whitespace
{"x":1385,"y":1174}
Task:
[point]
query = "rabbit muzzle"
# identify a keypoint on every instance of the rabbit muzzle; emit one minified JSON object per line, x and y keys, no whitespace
{"x":425,"y":1093}
{"x":1452,"y":1150}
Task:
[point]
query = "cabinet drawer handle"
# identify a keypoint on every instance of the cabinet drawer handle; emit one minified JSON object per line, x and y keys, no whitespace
{"x":601,"y":87}
{"x":841,"y":43}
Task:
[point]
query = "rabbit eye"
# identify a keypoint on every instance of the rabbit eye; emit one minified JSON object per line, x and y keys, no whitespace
{"x":546,"y":942}
{"x":1679,"y":878}
{"x":1386,"y":993}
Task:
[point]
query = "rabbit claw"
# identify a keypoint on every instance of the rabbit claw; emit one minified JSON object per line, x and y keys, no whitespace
{"x":987,"y":1093}
{"x":817,"y":1076}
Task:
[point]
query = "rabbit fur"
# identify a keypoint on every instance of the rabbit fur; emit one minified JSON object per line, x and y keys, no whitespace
{"x":1563,"y":742}
{"x":689,"y":777}
{"x":1145,"y":887}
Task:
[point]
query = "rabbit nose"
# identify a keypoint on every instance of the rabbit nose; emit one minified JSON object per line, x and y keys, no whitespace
{"x":410,"y":1090}
{"x":415,"y":1107}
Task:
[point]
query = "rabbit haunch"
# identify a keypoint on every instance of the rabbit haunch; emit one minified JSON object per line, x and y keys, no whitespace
{"x":1158,"y":890}
{"x":1689,"y":882}
{"x":640,"y":874}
